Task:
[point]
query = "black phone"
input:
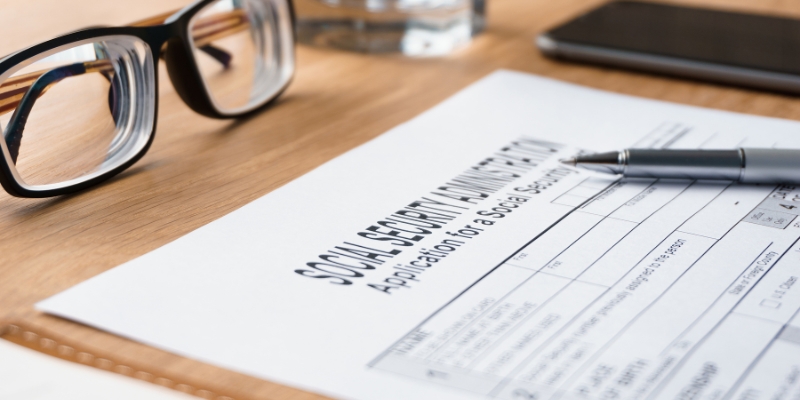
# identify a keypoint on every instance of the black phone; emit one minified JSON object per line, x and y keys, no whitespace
{"x":744,"y":49}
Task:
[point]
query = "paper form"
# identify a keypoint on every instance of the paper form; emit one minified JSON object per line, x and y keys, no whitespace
{"x":453,"y":257}
{"x":28,"y":375}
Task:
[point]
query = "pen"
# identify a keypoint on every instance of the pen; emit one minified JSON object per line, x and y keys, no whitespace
{"x":742,"y":165}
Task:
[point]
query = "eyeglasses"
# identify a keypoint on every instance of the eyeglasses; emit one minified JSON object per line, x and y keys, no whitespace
{"x":81,"y":108}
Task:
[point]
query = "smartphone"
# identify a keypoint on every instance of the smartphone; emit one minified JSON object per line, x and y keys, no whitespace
{"x":743,"y":49}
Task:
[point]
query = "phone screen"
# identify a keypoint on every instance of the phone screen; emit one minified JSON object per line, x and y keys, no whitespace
{"x":742,"y":40}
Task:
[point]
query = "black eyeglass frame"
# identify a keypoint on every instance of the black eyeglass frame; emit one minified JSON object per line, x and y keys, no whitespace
{"x":182,"y":68}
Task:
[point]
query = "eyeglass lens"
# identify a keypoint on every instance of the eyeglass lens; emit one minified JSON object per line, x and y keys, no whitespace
{"x":241,"y":50}
{"x":77,"y":111}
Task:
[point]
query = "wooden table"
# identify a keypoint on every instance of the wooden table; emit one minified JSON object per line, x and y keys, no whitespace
{"x":200,"y":169}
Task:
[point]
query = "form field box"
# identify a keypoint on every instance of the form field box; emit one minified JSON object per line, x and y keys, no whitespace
{"x":775,"y":374}
{"x":617,"y":195}
{"x":791,"y":334}
{"x":599,"y":325}
{"x":771,"y":218}
{"x":782,"y":200}
{"x":696,"y":138}
{"x":443,"y":375}
{"x":777,"y":295}
{"x":726,"y":210}
{"x":542,"y":250}
{"x":650,"y":200}
{"x":723,"y":358}
{"x":712,"y":288}
{"x":770,"y":303}
{"x":570,"y":200}
{"x":663,"y":136}
{"x":511,"y":311}
{"x":588,"y":249}
{"x":460,"y":313}
{"x":584,"y":191}
{"x":518,"y":347}
{"x":647,"y":235}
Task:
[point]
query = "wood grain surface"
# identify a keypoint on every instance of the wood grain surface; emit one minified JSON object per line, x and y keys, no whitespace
{"x":200,"y":169}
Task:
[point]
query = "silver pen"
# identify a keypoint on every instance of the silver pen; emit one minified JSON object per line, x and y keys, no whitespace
{"x":749,"y":165}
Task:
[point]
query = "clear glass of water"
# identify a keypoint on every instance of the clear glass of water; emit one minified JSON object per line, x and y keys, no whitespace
{"x":413,"y":27}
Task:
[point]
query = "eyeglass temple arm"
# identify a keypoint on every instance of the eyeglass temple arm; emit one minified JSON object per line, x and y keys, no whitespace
{"x":208,"y":29}
{"x":204,"y":31}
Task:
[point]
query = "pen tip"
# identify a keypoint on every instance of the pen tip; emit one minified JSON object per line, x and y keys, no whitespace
{"x":569,"y":161}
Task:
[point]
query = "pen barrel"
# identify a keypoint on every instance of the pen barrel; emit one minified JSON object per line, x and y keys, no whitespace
{"x":684,"y":164}
{"x":771,"y":166}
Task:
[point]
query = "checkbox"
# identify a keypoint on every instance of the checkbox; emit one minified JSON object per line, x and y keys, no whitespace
{"x":770,"y":303}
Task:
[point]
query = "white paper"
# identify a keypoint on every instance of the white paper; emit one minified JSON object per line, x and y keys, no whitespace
{"x":657,"y":289}
{"x":28,"y":375}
